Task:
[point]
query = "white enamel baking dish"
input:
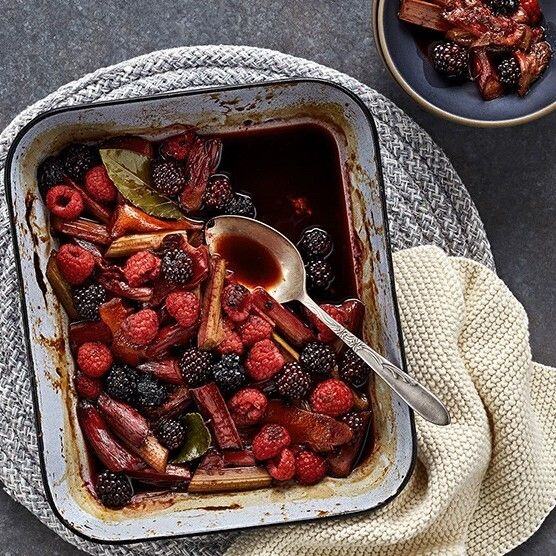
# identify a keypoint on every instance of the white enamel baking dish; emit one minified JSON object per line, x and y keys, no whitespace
{"x":65,"y":467}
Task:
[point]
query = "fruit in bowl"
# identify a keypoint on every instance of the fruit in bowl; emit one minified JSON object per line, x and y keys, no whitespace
{"x":185,"y":378}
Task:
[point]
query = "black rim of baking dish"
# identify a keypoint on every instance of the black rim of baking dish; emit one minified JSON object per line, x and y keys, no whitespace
{"x":31,"y":368}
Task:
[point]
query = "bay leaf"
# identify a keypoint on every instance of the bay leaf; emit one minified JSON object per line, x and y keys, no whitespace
{"x":130,"y":172}
{"x":197,"y":440}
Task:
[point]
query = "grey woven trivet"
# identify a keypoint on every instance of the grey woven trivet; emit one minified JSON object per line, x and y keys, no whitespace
{"x":427,"y":204}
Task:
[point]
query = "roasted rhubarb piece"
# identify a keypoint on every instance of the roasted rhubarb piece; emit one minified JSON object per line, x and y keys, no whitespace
{"x":213,"y":408}
{"x":238,"y":458}
{"x":113,"y":313}
{"x":166,"y":370}
{"x":81,"y":228}
{"x":113,"y":280}
{"x":532,"y":9}
{"x":229,"y":479}
{"x":174,"y":476}
{"x":485,"y":75}
{"x":82,"y":332}
{"x":126,"y":351}
{"x":128,"y":219}
{"x":424,"y":14}
{"x":210,"y":330}
{"x":94,"y":208}
{"x":127,"y":245}
{"x":532,"y":65}
{"x":286,"y":322}
{"x":124,"y":420}
{"x":60,"y":286}
{"x":133,"y":143}
{"x":108,"y":450}
{"x":320,"y":432}
{"x":341,"y":463}
{"x":169,"y":336}
{"x":202,"y":162}
{"x":178,"y":400}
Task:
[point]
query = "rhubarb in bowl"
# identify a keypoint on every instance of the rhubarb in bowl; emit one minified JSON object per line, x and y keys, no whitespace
{"x":482,"y":63}
{"x":172,"y":396}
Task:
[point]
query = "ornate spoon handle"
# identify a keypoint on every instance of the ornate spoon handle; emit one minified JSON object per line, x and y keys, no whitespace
{"x":425,"y":403}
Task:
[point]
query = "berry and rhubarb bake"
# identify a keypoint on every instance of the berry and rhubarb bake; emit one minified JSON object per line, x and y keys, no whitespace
{"x":499,"y":44}
{"x":185,"y":378}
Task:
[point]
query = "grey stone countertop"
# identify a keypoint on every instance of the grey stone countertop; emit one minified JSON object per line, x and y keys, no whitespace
{"x":509,"y":172}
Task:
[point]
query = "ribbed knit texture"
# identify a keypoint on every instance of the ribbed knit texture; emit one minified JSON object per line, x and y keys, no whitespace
{"x":483,"y":484}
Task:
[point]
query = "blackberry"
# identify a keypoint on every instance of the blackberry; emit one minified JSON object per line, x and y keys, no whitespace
{"x":218,"y":194}
{"x":241,"y":205}
{"x":121,"y":382}
{"x":319,"y":274}
{"x":195,"y":366}
{"x":451,"y":60}
{"x":293,"y":382}
{"x":78,"y":158}
{"x":168,"y":177}
{"x":150,"y":392}
{"x":353,"y":369}
{"x":177,"y":266}
{"x":509,"y":72}
{"x":503,"y":7}
{"x":114,"y":489}
{"x":229,"y":374}
{"x":50,"y":173}
{"x":88,"y":299}
{"x":171,"y":434}
{"x":354,"y":421}
{"x":235,"y":295}
{"x":318,"y":358}
{"x":315,"y":243}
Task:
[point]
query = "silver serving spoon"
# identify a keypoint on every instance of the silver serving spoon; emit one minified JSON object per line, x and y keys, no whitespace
{"x":291,"y":286}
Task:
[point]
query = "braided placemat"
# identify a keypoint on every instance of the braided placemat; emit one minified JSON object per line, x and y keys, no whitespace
{"x":427,"y":204}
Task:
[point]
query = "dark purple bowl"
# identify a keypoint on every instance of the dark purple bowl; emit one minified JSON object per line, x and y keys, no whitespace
{"x":407,"y":61}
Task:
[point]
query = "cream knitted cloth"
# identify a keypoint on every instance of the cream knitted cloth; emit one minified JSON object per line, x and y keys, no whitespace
{"x":485,"y":483}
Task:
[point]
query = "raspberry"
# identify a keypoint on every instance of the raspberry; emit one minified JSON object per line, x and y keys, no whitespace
{"x":231,"y":342}
{"x":353,"y":369}
{"x":141,"y":327}
{"x":264,"y":360}
{"x":254,"y":329}
{"x":229,"y":374}
{"x":168,"y":177}
{"x":282,"y":467}
{"x":270,"y":441}
{"x":99,"y":185}
{"x":319,"y":275}
{"x":236,"y":302}
{"x":310,"y":468}
{"x":141,"y":267}
{"x":247,"y":406}
{"x":241,"y":205}
{"x":195,"y":366}
{"x":218,"y":193}
{"x":184,"y":307}
{"x":178,"y":146}
{"x":150,"y":392}
{"x":121,"y":382}
{"x":332,"y":397}
{"x":65,"y":202}
{"x":315,"y":243}
{"x":88,"y":299}
{"x":94,"y":359}
{"x":324,"y":333}
{"x":177,"y":266}
{"x":318,"y":358}
{"x":87,"y":387}
{"x":114,"y":489}
{"x":77,"y":159}
{"x":171,"y":434}
{"x":75,"y":263}
{"x":50,"y":173}
{"x":293,"y":382}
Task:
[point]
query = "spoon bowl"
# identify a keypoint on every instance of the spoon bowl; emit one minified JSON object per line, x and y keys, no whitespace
{"x":289,"y":285}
